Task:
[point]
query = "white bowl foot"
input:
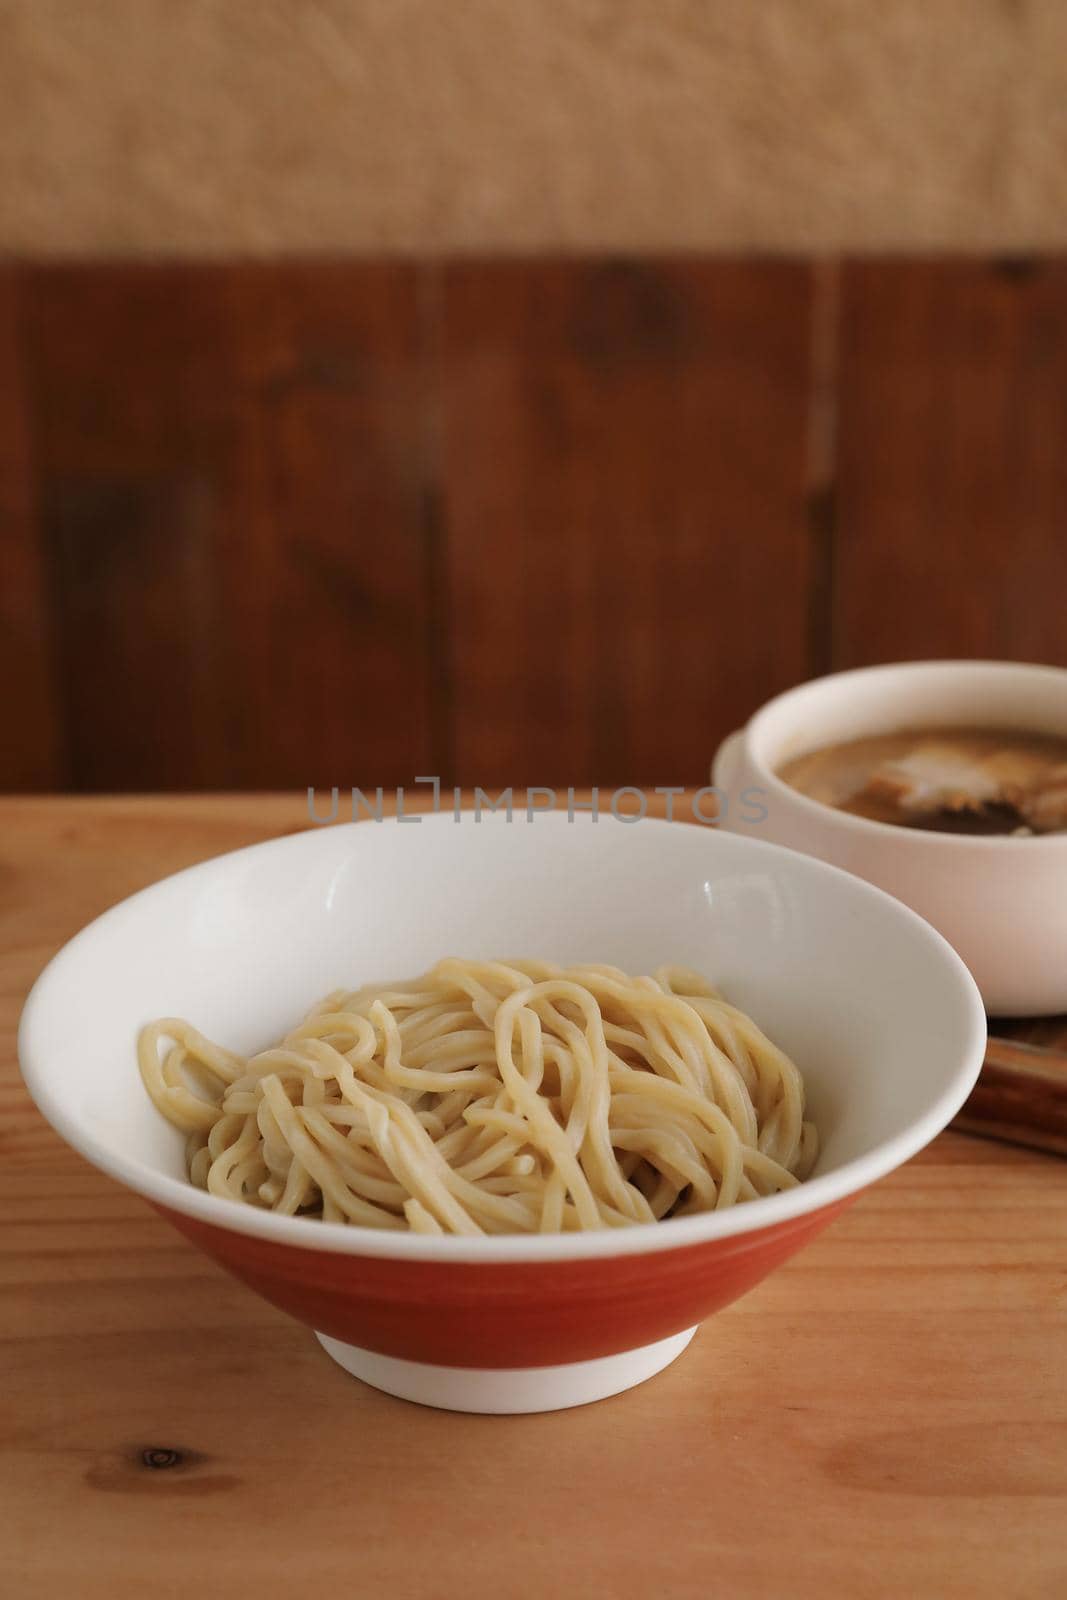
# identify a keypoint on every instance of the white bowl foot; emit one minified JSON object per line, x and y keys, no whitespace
{"x":507,"y":1390}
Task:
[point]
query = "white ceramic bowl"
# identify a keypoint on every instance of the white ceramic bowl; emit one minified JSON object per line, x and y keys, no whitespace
{"x":881,"y":1015}
{"x":1001,"y":902}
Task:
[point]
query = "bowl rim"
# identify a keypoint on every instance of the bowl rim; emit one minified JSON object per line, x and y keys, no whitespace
{"x":904,"y":838}
{"x":754,"y":1216}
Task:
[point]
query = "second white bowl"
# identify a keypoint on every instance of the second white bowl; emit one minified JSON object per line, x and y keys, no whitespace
{"x":1001,"y":902}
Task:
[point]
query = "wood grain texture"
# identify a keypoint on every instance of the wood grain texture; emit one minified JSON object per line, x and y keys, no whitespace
{"x":623,"y":477}
{"x":33,"y":748}
{"x":895,"y":1398}
{"x":952,"y":462}
{"x":130,"y":391}
{"x":1022,"y":1093}
{"x":230,"y":490}
{"x":529,"y":521}
{"x":325,"y":566}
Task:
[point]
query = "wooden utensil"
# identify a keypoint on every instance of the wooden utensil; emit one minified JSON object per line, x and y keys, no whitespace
{"x":1021,"y":1096}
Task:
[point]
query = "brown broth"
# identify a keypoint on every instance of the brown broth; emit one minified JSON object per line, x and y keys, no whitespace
{"x":951,"y":779}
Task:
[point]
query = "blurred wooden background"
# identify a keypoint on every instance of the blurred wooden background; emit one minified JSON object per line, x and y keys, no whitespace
{"x":549,"y":521}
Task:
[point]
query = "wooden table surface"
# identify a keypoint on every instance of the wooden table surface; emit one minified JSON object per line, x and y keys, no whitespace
{"x":886,"y":1415}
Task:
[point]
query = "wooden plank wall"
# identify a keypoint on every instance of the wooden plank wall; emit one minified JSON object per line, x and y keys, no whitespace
{"x":548,"y":522}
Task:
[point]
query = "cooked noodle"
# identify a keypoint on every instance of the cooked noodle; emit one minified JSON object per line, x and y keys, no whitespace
{"x":493,"y":1097}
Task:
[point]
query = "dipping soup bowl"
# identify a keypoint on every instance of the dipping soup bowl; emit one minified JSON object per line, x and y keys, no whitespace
{"x":1000,"y":901}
